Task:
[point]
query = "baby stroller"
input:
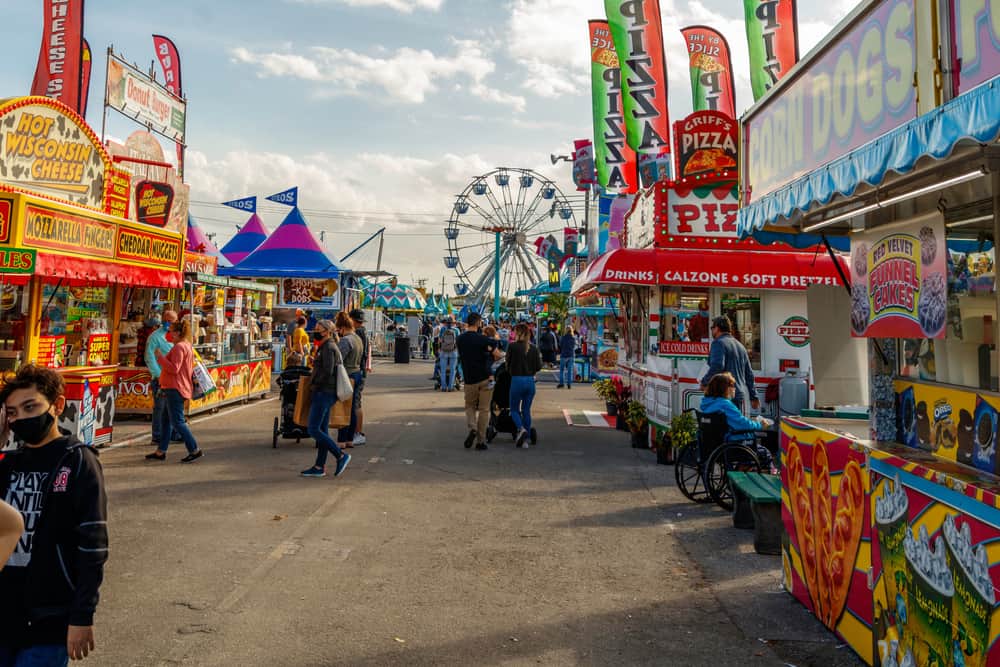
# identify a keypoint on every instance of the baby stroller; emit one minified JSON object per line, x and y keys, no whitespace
{"x":500,"y":418}
{"x":285,"y":426}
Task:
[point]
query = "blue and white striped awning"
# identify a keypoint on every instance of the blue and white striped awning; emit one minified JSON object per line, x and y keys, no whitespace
{"x":973,"y":115}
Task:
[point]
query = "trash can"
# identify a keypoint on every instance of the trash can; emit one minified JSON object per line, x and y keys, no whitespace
{"x":402,"y":350}
{"x":278,"y":364}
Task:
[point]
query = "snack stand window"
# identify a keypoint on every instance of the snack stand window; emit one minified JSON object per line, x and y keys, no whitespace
{"x":74,"y":325}
{"x":743,"y":310}
{"x":229,"y":334}
{"x":966,"y":356}
{"x":13,"y":323}
{"x":684,"y":314}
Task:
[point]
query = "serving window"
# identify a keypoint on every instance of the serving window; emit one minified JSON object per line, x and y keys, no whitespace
{"x":966,"y":356}
{"x":743,"y":310}
{"x":74,"y":325}
{"x":684,"y":314}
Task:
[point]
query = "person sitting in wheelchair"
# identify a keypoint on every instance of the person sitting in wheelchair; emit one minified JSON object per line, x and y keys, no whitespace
{"x":719,"y":395}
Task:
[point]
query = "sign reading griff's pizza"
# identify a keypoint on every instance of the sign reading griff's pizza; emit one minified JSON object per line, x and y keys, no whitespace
{"x":705,"y":142}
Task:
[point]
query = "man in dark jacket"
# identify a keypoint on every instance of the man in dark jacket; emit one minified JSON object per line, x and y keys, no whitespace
{"x":50,"y":586}
{"x":728,"y":354}
{"x":477,"y":352}
{"x":548,"y":344}
{"x":358,"y":317}
{"x":323,"y":388}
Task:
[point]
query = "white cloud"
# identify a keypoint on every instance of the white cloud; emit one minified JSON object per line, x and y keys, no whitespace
{"x":421,"y":190}
{"x":408,"y":75}
{"x":404,"y":6}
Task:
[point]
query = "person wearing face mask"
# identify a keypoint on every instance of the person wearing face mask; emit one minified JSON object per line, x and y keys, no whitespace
{"x":719,"y":395}
{"x":50,"y":585}
{"x":175,"y":381}
{"x":323,"y":385}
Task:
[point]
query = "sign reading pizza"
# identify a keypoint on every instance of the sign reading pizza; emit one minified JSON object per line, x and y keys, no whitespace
{"x":795,"y":331}
{"x":152,"y":203}
{"x":705,"y":142}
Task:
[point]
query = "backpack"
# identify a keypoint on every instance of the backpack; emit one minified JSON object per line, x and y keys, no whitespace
{"x":449,"y":341}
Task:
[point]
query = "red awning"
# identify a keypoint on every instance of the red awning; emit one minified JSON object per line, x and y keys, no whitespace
{"x":710,"y":268}
{"x":79,"y":270}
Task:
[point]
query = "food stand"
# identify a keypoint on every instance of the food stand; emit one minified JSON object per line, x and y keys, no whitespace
{"x":232,"y":340}
{"x":892,"y":524}
{"x":682,"y":264}
{"x":67,"y":265}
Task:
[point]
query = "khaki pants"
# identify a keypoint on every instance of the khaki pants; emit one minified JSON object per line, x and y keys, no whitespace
{"x":477,"y":398}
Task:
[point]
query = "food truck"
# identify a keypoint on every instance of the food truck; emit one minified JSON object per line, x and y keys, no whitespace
{"x":892,"y":524}
{"x":69,"y":257}
{"x":683,"y":264}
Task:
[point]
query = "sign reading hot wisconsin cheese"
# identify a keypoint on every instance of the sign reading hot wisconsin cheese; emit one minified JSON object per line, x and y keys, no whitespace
{"x":47,"y":149}
{"x":857,"y":88}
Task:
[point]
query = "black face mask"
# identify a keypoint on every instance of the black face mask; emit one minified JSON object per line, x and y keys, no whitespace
{"x":32,"y":430}
{"x":318,"y":335}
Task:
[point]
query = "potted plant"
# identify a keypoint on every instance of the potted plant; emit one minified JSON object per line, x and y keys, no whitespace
{"x":606,"y":390}
{"x":622,"y":395}
{"x":683,"y":431}
{"x":637,"y":423}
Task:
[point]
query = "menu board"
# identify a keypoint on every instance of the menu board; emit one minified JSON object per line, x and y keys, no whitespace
{"x":51,"y":351}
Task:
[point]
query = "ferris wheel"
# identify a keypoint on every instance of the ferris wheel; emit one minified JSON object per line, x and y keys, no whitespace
{"x":496,"y":220}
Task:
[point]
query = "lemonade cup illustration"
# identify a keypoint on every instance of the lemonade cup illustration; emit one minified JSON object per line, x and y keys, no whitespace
{"x":974,"y":594}
{"x":929,"y":599}
{"x":891,"y":526}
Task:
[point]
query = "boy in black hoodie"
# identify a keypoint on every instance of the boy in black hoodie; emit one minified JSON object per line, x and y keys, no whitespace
{"x":49,"y":587}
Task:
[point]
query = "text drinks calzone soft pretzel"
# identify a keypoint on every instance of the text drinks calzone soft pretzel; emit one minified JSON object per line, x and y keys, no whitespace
{"x":828,"y":536}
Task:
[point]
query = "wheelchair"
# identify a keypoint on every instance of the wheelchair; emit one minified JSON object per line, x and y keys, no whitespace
{"x":702,"y":468}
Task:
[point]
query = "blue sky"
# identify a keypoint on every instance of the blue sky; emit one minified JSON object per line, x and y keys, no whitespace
{"x":380,"y":110}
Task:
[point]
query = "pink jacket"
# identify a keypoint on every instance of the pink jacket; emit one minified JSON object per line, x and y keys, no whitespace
{"x":177,"y":367}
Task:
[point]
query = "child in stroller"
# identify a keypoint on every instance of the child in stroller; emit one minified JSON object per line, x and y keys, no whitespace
{"x":500,"y":419}
{"x":285,"y":426}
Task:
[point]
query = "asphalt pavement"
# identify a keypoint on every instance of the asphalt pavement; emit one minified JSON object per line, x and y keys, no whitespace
{"x":577,"y":551}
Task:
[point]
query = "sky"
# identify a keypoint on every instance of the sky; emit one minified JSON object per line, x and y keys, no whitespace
{"x":381,"y":111}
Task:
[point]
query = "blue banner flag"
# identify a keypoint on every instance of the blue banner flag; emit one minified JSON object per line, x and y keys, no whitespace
{"x":248,"y":204}
{"x":289,"y":197}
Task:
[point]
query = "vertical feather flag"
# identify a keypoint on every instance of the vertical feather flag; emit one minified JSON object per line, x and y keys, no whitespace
{"x":85,"y":65}
{"x":638,"y":35}
{"x":170,"y":62}
{"x":773,"y":39}
{"x":712,"y":86}
{"x":614,"y":161}
{"x":60,"y":58}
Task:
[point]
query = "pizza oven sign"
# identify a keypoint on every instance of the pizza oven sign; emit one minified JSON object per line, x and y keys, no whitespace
{"x":795,"y":331}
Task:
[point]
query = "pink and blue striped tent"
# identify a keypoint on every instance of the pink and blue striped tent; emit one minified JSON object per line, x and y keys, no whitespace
{"x":248,"y":239}
{"x":290,"y":251}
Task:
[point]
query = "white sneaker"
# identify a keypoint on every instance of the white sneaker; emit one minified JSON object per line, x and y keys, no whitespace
{"x":522,"y":439}
{"x":359,"y":439}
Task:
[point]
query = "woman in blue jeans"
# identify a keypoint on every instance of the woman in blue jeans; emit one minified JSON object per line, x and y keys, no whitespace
{"x":323,"y":384}
{"x":523,"y":361}
{"x":175,"y":383}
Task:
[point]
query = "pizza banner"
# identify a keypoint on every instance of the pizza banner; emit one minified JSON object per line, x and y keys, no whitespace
{"x":773,"y":40}
{"x":705,"y":142}
{"x":711,"y":67}
{"x":899,"y":281}
{"x":637,"y":31}
{"x":614,"y":161}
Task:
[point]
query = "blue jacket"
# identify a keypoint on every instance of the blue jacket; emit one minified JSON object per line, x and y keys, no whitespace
{"x":157,"y":341}
{"x":735,"y":418}
{"x":567,"y":345}
{"x":728,"y":354}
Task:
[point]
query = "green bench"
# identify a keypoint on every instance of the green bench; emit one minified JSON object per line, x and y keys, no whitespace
{"x":757,"y":505}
